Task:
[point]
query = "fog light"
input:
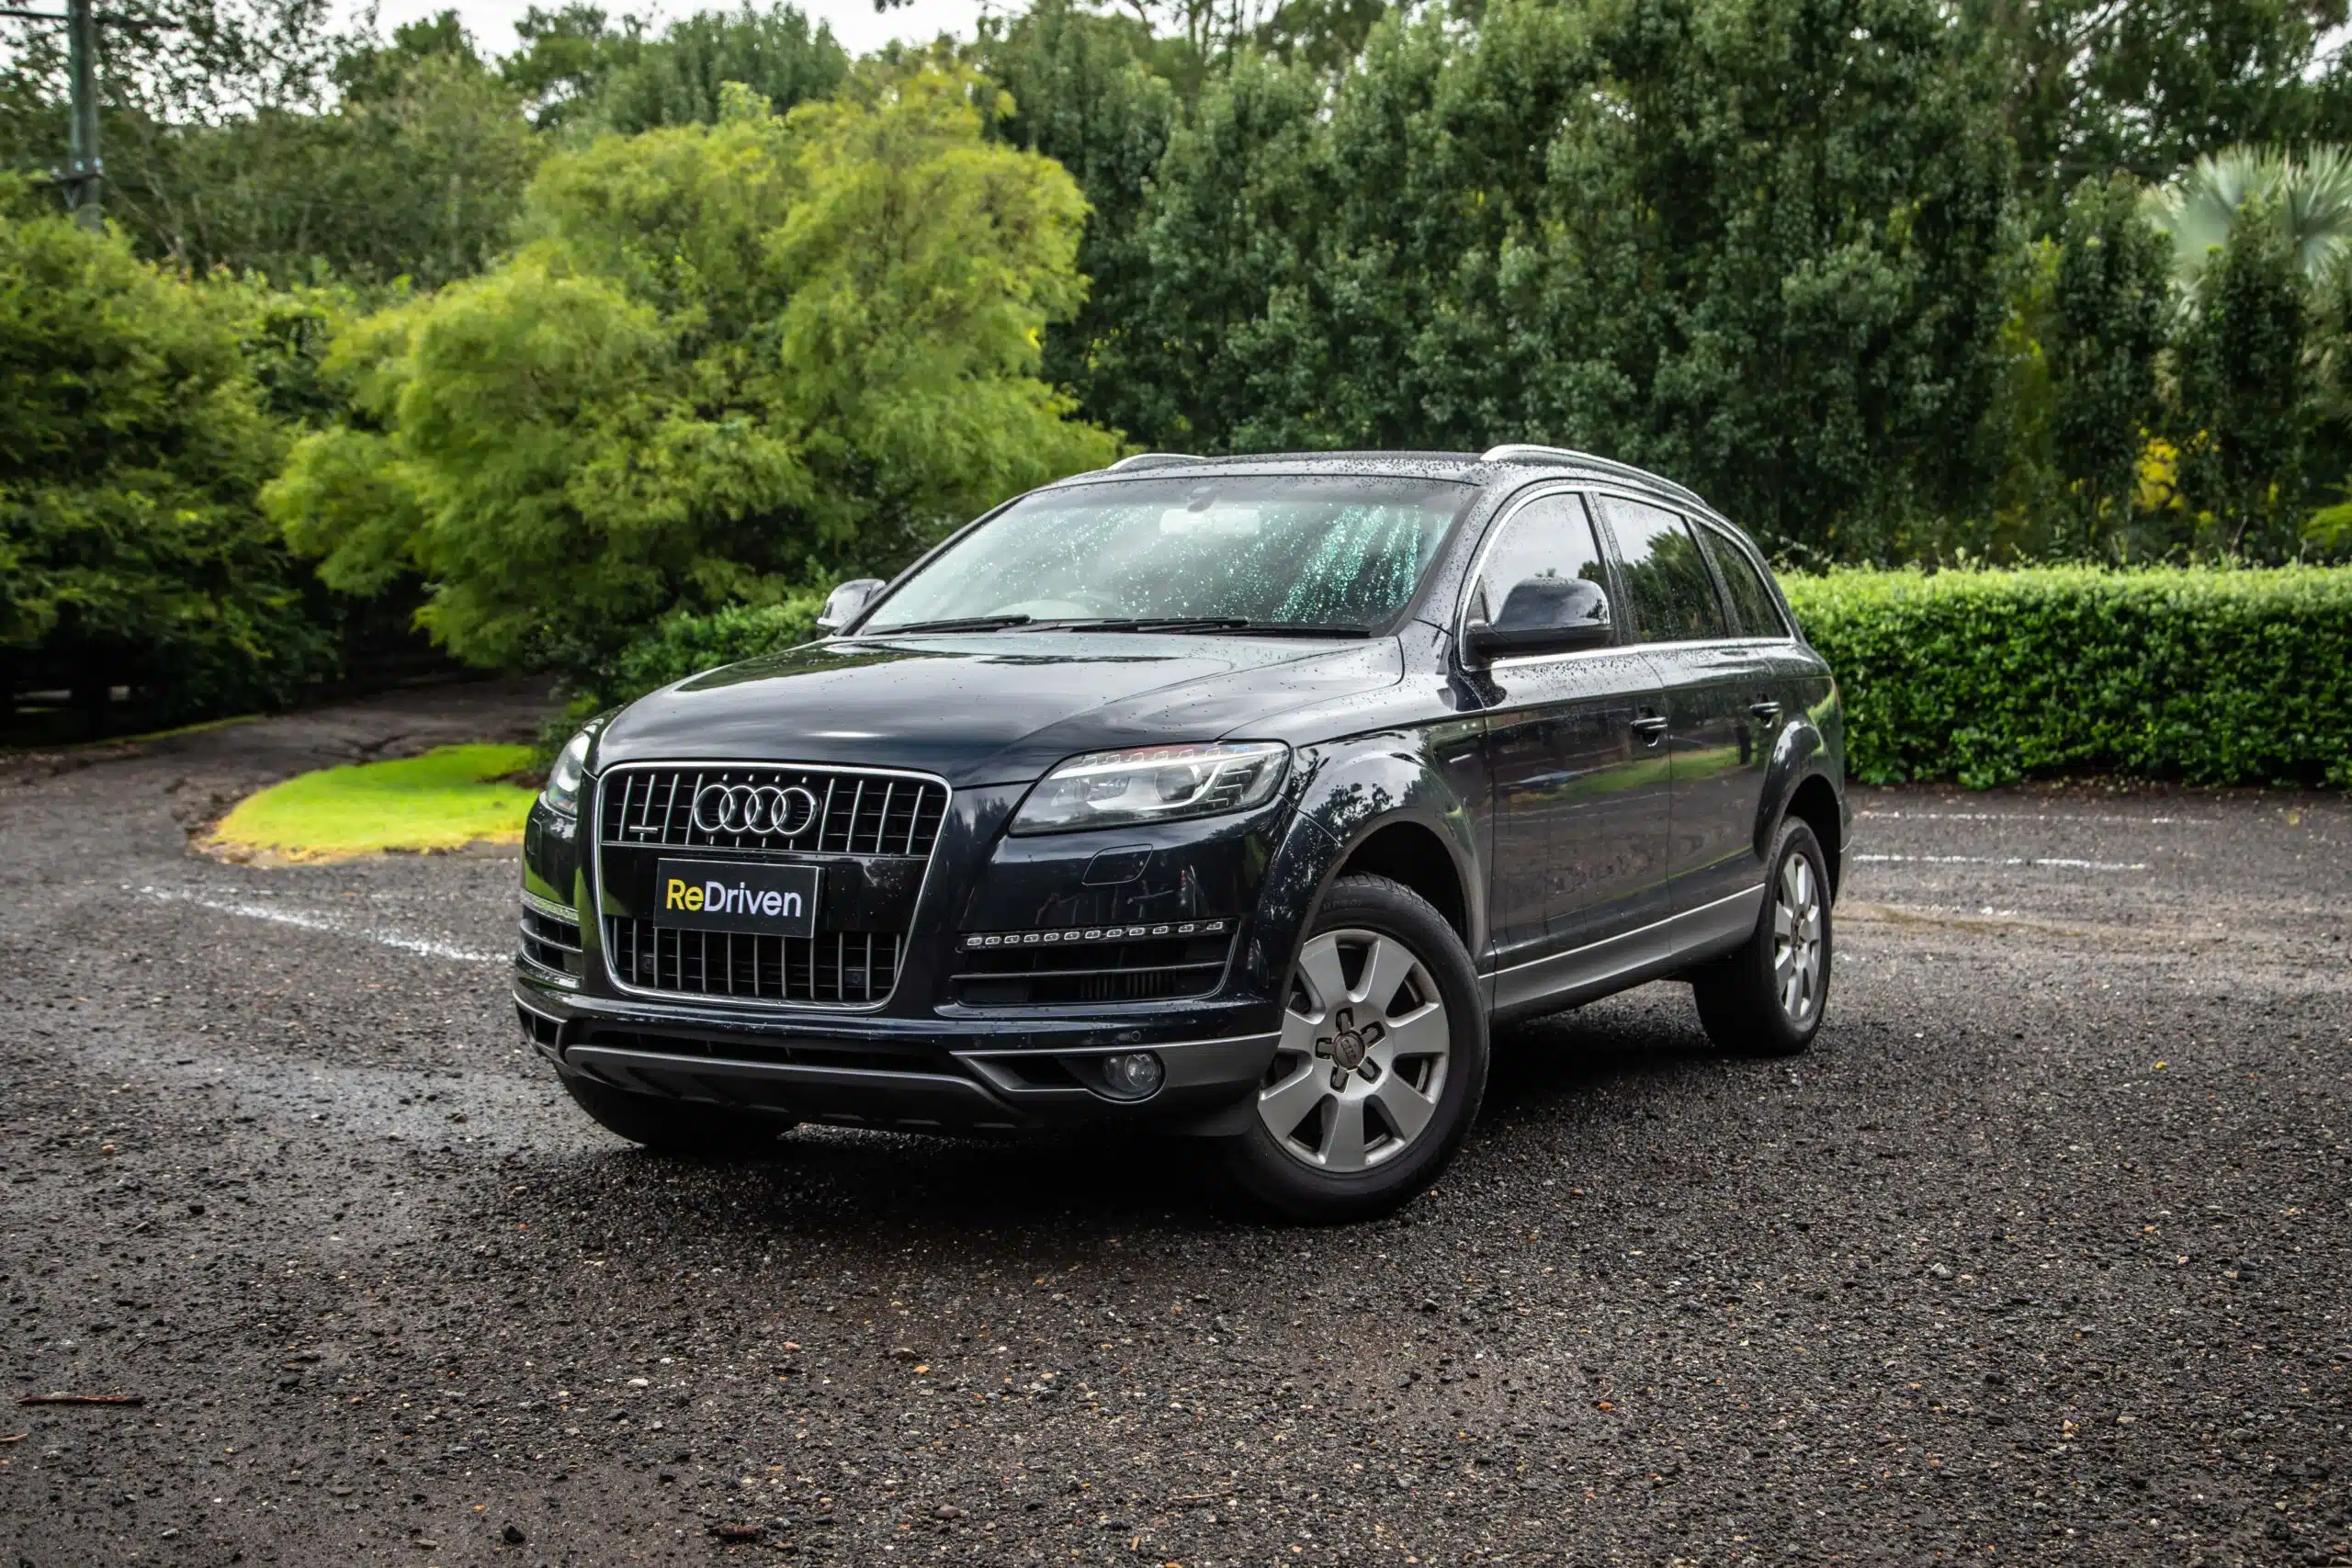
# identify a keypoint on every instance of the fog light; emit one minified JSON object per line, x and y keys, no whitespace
{"x":1131,"y":1075}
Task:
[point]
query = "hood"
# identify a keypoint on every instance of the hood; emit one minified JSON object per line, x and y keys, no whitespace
{"x":991,"y":708}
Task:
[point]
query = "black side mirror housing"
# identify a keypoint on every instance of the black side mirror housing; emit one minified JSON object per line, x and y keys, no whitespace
{"x":846,"y":602}
{"x":1543,"y":615}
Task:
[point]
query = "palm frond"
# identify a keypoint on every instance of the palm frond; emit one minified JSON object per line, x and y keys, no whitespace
{"x":2309,"y":198}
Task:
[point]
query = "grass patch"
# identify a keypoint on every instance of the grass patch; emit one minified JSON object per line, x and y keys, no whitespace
{"x":451,"y":796}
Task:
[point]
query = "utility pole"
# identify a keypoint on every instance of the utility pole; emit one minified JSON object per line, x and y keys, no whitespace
{"x":85,"y":173}
{"x":84,"y":176}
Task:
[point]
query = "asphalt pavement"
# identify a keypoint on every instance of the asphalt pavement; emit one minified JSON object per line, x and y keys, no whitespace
{"x":2040,"y":1253}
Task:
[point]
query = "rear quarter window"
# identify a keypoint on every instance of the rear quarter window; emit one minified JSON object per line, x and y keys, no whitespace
{"x":1753,"y":607}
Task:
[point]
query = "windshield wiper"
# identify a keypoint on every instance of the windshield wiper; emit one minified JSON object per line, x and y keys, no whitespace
{"x":1212,"y":624}
{"x":968,"y":624}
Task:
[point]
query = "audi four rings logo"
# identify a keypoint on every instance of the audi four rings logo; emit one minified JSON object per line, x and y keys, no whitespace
{"x":755,"y":809}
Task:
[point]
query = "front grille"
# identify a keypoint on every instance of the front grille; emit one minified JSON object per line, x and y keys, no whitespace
{"x":551,"y":940}
{"x":840,"y":967}
{"x":857,"y":814}
{"x":1079,"y":971}
{"x":888,"y":824}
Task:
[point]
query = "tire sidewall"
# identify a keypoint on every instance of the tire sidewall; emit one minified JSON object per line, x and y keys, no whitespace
{"x":1300,"y":1191}
{"x":1795,"y":838}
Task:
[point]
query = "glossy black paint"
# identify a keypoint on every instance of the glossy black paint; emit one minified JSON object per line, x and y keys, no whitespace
{"x":1516,"y":793}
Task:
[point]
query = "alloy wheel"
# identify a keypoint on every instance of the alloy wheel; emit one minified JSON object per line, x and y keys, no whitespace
{"x":1365,"y":1044}
{"x":1797,"y":940}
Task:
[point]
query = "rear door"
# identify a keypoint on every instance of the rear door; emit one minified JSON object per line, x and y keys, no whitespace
{"x":1579,"y":789}
{"x":1712,"y":679}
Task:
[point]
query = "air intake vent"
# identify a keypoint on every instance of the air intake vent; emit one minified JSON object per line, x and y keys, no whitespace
{"x":550,"y":937}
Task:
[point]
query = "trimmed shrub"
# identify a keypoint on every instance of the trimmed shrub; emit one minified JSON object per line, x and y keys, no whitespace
{"x":2209,"y":675}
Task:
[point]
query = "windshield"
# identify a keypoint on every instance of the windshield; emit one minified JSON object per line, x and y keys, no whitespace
{"x":1281,"y":551}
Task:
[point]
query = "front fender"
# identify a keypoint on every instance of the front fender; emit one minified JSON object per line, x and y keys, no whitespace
{"x":1348,"y":793}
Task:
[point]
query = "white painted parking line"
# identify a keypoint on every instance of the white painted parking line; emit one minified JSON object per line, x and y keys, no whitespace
{"x":2055,"y":862}
{"x":2017,"y":816}
{"x":422,"y":947}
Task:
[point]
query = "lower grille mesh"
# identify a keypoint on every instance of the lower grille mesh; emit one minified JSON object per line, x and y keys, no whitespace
{"x":852,"y":967}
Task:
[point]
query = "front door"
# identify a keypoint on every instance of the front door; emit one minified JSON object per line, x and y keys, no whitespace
{"x":1576,"y":760}
{"x":1715,"y":683}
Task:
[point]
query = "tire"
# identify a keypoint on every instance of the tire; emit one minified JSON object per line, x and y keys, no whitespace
{"x":1408,"y":1093}
{"x":1766,"y":998}
{"x":671,"y":1127}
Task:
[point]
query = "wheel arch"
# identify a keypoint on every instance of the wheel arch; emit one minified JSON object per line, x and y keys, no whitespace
{"x":1409,"y":851}
{"x":1815,"y":803}
{"x":1376,"y":805}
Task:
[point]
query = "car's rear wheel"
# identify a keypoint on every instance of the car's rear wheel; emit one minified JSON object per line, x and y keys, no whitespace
{"x":1382,"y":1064}
{"x":674,"y":1127}
{"x":1766,"y":997}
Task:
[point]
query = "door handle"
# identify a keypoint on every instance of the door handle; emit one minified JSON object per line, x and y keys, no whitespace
{"x":1768,"y":710}
{"x":1649,"y":727}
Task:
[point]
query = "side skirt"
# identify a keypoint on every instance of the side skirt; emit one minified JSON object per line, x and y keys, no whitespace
{"x":1628,"y":959}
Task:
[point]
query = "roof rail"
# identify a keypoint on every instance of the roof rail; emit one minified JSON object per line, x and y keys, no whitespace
{"x":1155,"y":460}
{"x":1527,"y":452}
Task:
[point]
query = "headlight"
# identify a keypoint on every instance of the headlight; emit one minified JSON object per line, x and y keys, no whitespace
{"x":1153,"y":783}
{"x":562,"y":791}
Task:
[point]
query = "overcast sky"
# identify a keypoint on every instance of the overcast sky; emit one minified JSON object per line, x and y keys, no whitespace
{"x":854,"y":22}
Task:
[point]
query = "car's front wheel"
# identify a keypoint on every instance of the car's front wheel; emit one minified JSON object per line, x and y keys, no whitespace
{"x":674,"y":1127}
{"x":1382,"y":1064}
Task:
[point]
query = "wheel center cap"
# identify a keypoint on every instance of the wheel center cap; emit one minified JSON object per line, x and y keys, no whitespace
{"x":1347,"y":1049}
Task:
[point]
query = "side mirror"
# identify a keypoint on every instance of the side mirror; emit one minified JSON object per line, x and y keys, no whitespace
{"x":848,"y":602}
{"x":1543,"y":615}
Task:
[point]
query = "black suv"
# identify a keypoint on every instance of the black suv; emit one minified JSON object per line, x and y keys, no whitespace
{"x":1230,"y":796}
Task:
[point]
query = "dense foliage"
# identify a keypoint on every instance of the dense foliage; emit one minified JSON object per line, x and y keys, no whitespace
{"x":642,"y":323}
{"x":133,"y":438}
{"x":1989,"y":677}
{"x":731,"y":360}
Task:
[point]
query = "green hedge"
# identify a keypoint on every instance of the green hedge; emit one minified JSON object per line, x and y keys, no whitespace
{"x":2209,"y":675}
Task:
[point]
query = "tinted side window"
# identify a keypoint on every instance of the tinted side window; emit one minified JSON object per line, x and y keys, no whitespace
{"x":1673,"y":593}
{"x":1751,"y":601}
{"x":1549,"y":536}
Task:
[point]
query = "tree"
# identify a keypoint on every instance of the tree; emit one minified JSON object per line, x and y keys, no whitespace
{"x":679,"y":78}
{"x":2110,"y":309}
{"x":2243,"y":387}
{"x":1083,"y":93}
{"x":731,"y":360}
{"x":566,"y":58}
{"x":132,"y":443}
{"x":1761,"y":243}
{"x":2092,"y":87}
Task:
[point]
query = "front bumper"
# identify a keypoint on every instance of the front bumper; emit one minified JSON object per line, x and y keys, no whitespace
{"x":941,"y":1052}
{"x":912,"y":1074}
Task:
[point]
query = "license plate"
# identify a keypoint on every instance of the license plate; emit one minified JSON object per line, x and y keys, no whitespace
{"x":736,"y":896}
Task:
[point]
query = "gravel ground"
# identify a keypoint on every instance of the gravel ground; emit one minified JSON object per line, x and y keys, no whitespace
{"x":2040,"y":1253}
